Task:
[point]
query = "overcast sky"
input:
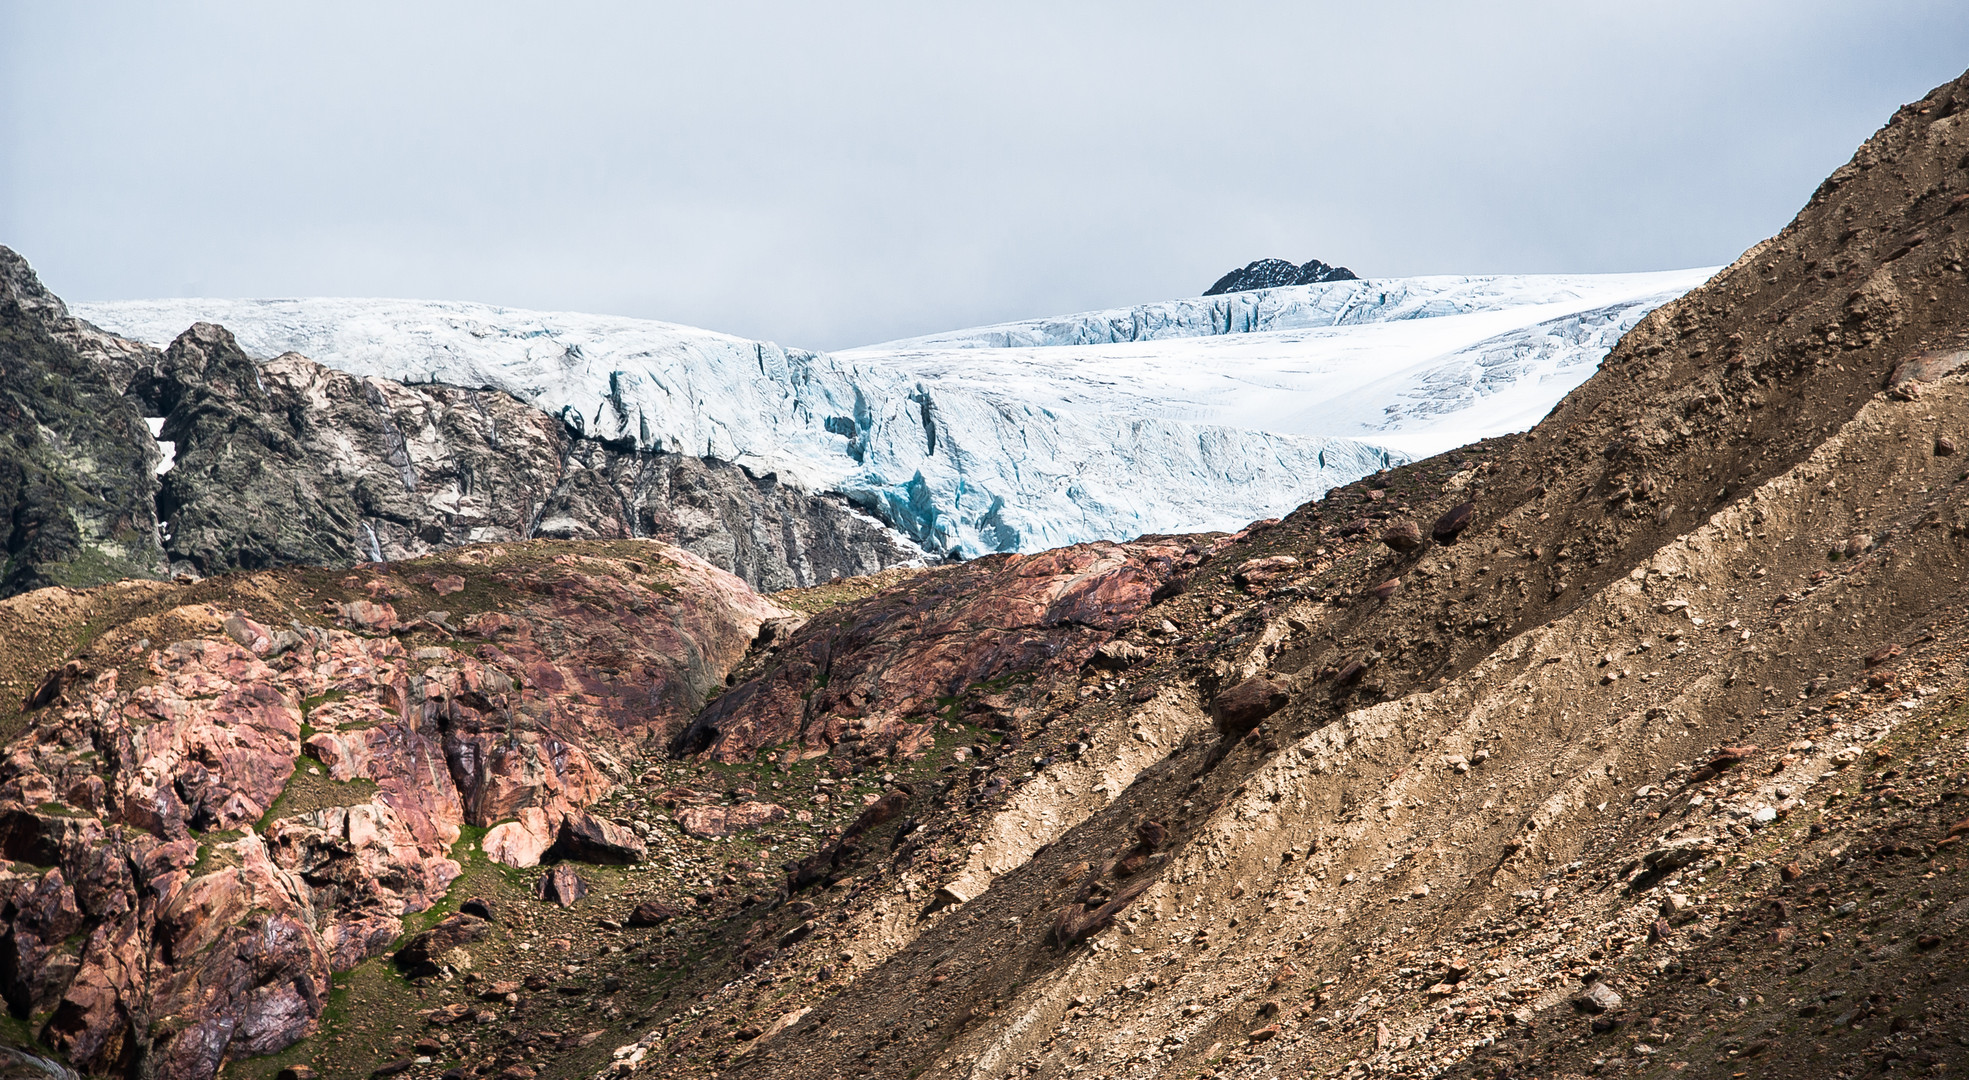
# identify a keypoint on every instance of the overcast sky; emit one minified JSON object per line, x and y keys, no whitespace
{"x":836,"y":174}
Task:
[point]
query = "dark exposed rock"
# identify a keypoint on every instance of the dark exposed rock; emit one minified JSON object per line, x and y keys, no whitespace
{"x":425,"y":953}
{"x":587,"y":838}
{"x":1275,"y":273}
{"x":288,"y":461}
{"x":1452,"y":523}
{"x":1403,"y":536}
{"x":77,"y":465}
{"x":1243,"y":706}
{"x":478,"y":907}
{"x":285,"y":461}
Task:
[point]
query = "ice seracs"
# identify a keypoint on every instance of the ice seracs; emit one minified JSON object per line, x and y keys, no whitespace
{"x":1188,"y":414}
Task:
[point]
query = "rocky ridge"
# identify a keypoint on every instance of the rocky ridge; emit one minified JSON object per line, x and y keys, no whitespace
{"x":1275,"y":273}
{"x":287,"y":461}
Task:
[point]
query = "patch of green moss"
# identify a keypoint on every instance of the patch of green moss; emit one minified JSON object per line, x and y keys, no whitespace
{"x":307,"y":790}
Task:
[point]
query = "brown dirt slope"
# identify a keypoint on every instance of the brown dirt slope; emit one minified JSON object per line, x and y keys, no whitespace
{"x":1485,"y":785}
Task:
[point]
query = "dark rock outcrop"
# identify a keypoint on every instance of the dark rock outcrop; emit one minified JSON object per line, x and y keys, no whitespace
{"x":1275,"y":273}
{"x":286,"y":461}
{"x":289,"y":461}
{"x":77,"y":467}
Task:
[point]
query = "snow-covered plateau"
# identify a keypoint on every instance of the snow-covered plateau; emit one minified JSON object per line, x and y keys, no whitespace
{"x":1175,"y":416}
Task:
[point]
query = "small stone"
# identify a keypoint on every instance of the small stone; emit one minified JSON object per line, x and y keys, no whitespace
{"x":394,"y":1067}
{"x":1598,"y":997}
{"x":448,"y":584}
{"x":1386,"y":590}
{"x":1944,"y":446}
{"x":1269,"y":1031}
{"x":1882,"y":654}
{"x":477,"y":906}
{"x":1791,"y":871}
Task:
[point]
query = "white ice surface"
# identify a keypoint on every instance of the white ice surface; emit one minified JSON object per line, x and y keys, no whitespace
{"x":1183,"y":415}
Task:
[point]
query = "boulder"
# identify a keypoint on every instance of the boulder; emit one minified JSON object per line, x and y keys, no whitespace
{"x":1597,"y":998}
{"x":1403,"y":536}
{"x":1266,"y":570}
{"x":369,"y":616}
{"x":587,"y":838}
{"x":653,"y":913}
{"x":1451,"y":524}
{"x":709,"y":821}
{"x":561,"y":885}
{"x":1243,"y":706}
{"x":428,"y":953}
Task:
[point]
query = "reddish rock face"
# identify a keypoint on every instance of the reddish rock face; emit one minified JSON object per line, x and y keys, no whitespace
{"x":889,"y":659}
{"x":184,"y":885}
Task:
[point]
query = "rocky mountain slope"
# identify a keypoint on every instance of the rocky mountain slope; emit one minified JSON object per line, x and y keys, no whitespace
{"x":1631,"y":745}
{"x":286,"y":461}
{"x":1273,"y":273}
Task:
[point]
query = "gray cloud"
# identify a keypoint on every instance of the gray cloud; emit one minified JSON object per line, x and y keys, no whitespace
{"x":827,"y":175}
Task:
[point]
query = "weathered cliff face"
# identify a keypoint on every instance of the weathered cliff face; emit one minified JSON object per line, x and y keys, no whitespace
{"x":76,"y":463}
{"x":206,"y":815}
{"x":289,"y":462}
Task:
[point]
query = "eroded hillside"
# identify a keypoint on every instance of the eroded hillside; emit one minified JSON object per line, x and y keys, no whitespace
{"x":1633,"y":744}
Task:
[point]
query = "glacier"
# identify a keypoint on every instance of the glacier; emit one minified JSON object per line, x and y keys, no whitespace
{"x":1190,"y":414}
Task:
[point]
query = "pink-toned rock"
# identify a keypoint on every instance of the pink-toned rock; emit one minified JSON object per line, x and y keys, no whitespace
{"x":519,"y":843}
{"x":561,"y":885}
{"x":896,"y":655}
{"x":369,"y":616}
{"x":1266,"y":570}
{"x":252,"y":635}
{"x":128,"y":793}
{"x":707,"y":821}
{"x":448,"y":584}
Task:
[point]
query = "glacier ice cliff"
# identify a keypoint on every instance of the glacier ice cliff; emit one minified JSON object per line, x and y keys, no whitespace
{"x":1188,"y":414}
